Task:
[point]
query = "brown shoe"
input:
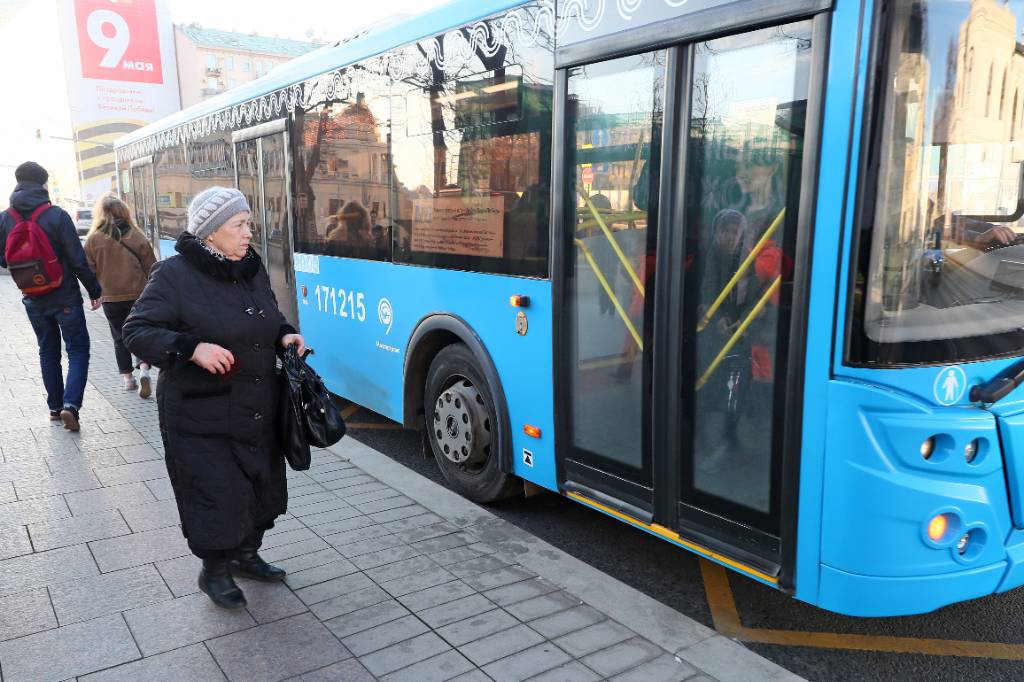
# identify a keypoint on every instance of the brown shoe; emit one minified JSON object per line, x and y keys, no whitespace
{"x":69,"y":415}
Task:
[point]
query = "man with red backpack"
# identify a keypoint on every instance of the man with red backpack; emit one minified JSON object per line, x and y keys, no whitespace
{"x":40,"y":248}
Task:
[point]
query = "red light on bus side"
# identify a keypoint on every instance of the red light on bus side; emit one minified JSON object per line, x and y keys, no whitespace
{"x":531,"y":431}
{"x":519,"y":301}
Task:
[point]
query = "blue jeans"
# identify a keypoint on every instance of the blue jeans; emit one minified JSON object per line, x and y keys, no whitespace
{"x":50,"y":324}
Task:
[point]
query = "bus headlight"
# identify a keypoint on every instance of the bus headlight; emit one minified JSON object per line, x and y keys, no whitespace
{"x":971,"y":450}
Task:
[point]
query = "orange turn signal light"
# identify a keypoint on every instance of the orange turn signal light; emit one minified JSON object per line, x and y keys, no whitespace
{"x":937,"y":527}
{"x":519,"y":301}
{"x":531,"y":431}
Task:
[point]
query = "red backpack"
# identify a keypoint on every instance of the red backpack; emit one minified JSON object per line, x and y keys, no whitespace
{"x":30,"y":257}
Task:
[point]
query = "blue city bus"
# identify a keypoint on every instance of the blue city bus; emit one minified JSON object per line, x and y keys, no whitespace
{"x":745,"y":274}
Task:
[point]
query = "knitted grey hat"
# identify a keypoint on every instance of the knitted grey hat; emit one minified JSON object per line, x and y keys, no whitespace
{"x":212,"y":207}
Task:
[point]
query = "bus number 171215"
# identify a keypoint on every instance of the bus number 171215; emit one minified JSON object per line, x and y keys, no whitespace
{"x":338,"y":302}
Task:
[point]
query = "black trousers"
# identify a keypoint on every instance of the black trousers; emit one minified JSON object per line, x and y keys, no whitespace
{"x":116,"y":314}
{"x":253,"y":541}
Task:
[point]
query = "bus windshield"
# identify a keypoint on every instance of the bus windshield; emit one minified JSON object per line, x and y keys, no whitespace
{"x":944,"y":278}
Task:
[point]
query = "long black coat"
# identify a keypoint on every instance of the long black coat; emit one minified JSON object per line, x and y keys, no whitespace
{"x":219,"y":432}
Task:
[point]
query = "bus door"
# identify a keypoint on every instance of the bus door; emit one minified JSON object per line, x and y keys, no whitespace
{"x":143,"y":197}
{"x":680,"y":218}
{"x":261,"y":173}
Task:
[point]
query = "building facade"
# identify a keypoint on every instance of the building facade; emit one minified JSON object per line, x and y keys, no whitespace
{"x":212,"y":61}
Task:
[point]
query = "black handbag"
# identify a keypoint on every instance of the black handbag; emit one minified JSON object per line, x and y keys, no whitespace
{"x":290,"y":422}
{"x":312,"y":418}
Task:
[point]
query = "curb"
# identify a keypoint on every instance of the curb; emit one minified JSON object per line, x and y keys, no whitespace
{"x":725,"y":659}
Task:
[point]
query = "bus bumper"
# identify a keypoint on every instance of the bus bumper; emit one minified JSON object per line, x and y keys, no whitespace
{"x":873,"y":596}
{"x":881,"y":494}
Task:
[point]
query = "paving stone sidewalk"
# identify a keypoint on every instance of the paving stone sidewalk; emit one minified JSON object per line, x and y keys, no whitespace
{"x":390,"y":577}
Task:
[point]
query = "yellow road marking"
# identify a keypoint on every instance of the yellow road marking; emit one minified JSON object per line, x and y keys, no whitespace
{"x":727,"y":622}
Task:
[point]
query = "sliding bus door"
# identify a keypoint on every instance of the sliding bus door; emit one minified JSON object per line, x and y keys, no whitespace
{"x":744,"y":157}
{"x":261,"y":167}
{"x":680,"y":226}
{"x":614,"y":116}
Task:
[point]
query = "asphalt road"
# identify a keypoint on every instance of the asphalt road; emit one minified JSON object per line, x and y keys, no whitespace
{"x":674,"y":577}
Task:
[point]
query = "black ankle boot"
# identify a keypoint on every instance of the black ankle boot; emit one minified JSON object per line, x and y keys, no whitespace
{"x":216,"y":581}
{"x":248,"y":564}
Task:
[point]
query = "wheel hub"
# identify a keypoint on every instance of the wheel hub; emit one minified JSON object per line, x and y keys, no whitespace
{"x":461,"y":424}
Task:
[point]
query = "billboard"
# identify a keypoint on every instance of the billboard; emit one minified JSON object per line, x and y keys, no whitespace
{"x":121,"y":75}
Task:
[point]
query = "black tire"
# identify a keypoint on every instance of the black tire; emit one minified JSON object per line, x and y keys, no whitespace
{"x":459,"y":409}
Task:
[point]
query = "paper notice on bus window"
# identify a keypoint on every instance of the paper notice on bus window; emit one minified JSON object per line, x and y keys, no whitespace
{"x":462,"y":226}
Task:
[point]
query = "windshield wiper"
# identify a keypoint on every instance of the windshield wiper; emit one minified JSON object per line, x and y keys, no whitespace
{"x":1000,"y":385}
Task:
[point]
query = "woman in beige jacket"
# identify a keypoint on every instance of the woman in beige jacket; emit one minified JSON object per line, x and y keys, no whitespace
{"x":121,"y":256}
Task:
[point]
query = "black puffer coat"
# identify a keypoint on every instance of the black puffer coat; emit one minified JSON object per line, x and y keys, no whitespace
{"x":219,"y":432}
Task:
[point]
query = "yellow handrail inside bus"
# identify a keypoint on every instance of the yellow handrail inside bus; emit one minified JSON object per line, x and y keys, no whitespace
{"x":741,"y":271}
{"x":751,"y":316}
{"x":611,"y":239}
{"x":611,"y":294}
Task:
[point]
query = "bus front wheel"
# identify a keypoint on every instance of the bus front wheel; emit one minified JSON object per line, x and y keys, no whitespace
{"x":462,"y":428}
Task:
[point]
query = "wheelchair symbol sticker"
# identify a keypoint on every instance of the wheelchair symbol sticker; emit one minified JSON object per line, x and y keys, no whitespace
{"x":950,"y":385}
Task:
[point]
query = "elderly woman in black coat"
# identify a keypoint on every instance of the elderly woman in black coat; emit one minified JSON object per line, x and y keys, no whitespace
{"x":209,"y":320}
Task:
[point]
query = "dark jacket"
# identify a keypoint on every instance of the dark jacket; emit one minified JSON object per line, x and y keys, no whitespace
{"x":59,"y":227}
{"x":121,"y":260}
{"x":220,"y":438}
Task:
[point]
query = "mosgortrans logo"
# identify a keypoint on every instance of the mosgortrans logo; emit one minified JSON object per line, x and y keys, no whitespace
{"x":385,"y":314}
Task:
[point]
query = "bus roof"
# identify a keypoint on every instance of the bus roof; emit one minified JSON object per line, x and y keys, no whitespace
{"x":365,"y":43}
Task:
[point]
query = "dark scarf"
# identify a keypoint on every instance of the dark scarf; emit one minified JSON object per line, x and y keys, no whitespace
{"x":215,"y":265}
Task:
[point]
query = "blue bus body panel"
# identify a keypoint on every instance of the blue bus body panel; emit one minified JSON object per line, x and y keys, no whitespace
{"x":366,"y":359}
{"x":845,"y":77}
{"x":881,"y":495}
{"x":166,"y":247}
{"x":1012,"y":430}
{"x":861,"y":595}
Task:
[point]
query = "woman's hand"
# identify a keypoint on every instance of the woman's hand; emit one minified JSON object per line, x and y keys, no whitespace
{"x":213,"y":358}
{"x":289,"y":339}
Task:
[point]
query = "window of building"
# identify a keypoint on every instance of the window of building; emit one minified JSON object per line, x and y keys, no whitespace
{"x":472,"y":162}
{"x":231,"y":82}
{"x":229,"y":63}
{"x":259,"y":68}
{"x":211,"y":61}
{"x":245,"y":65}
{"x":342,"y":202}
{"x":212,"y":83}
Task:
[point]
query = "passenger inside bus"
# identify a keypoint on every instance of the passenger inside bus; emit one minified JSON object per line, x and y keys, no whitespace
{"x":736,"y":351}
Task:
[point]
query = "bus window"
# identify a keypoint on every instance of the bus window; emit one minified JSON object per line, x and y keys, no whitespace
{"x":210,"y":163}
{"x":172,"y":188}
{"x":941,"y":260}
{"x":745,"y":148}
{"x":473,"y":164}
{"x":342,"y":172}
